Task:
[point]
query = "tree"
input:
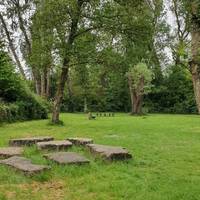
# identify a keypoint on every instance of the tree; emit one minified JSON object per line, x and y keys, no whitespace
{"x":139,"y":80}
{"x":195,"y":50}
{"x":11,"y":45}
{"x":71,"y":20}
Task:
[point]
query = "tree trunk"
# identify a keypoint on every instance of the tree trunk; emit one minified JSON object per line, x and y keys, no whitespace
{"x":43,"y":83}
{"x":37,"y":86}
{"x":136,"y":104}
{"x":85,"y":105}
{"x":60,"y":92}
{"x":195,"y":63}
{"x":196,"y":85}
{"x":48,"y":83}
{"x":136,"y":97}
{"x":12,"y":48}
{"x":65,"y":68}
{"x":70,"y":94}
{"x":35,"y":73}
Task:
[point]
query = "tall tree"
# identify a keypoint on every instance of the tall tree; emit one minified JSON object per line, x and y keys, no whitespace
{"x":195,"y":61}
{"x":11,"y":45}
{"x":139,"y":79}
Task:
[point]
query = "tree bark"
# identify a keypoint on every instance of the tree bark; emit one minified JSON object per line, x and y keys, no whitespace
{"x":60,"y":92}
{"x":136,"y":97}
{"x":70,"y":94}
{"x":43,"y":84}
{"x":195,"y":62}
{"x":48,"y":83}
{"x":196,"y":84}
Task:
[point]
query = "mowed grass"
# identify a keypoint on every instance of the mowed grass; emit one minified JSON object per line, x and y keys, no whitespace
{"x":166,"y":163}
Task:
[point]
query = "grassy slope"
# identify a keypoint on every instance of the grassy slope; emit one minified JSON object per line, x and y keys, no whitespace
{"x":166,"y":164}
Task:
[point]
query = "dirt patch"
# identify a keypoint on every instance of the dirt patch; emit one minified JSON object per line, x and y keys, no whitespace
{"x":53,"y":190}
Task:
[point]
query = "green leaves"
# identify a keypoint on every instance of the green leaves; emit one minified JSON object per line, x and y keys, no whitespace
{"x":140,"y":73}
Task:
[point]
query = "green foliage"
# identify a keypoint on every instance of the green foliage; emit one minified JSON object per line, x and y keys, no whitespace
{"x":175,"y":94}
{"x":18,"y":102}
{"x":31,"y":108}
{"x":11,"y":85}
{"x":140,"y":72}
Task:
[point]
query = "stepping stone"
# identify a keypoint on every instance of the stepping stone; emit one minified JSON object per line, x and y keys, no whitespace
{"x":29,"y":141}
{"x":7,"y":152}
{"x":110,"y":152}
{"x":54,"y":145}
{"x":24,"y":165}
{"x":80,"y":141}
{"x":67,"y":158}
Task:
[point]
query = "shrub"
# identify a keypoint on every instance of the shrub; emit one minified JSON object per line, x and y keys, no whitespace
{"x":18,"y":102}
{"x":23,"y":110}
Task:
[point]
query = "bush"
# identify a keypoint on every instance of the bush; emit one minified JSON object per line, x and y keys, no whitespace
{"x":32,"y":108}
{"x":175,"y":95}
{"x":18,"y":102}
{"x":23,"y":110}
{"x":8,"y":113}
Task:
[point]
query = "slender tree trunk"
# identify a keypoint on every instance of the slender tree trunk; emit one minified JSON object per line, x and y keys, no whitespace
{"x":133,"y":99}
{"x":60,"y":91}
{"x":48,"y":83}
{"x":12,"y":48}
{"x":195,"y":63}
{"x":70,"y":93}
{"x":38,"y":86}
{"x":85,"y":105}
{"x":35,"y":73}
{"x":43,"y":83}
{"x":23,"y":29}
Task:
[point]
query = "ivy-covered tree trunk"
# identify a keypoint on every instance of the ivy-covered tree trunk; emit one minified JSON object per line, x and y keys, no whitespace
{"x":195,"y":63}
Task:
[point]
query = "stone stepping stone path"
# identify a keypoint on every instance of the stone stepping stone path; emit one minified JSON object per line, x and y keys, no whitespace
{"x":7,"y":152}
{"x":67,"y":158}
{"x":54,"y":145}
{"x":29,"y":141}
{"x":24,"y":165}
{"x":80,"y":141}
{"x":11,"y":155}
{"x":110,"y":152}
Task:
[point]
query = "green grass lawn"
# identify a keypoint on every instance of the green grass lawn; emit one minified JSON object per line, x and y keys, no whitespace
{"x":166,"y":164}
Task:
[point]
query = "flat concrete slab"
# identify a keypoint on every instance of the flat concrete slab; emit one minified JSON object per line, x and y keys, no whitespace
{"x":7,"y":152}
{"x":67,"y":158}
{"x":54,"y":145}
{"x":29,"y":141}
{"x":80,"y":141}
{"x":110,"y":152}
{"x":24,"y":165}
